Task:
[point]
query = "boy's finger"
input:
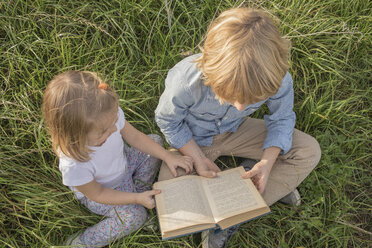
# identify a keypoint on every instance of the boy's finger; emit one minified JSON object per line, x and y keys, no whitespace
{"x":189,"y":163}
{"x":260,"y":188}
{"x":249,"y":174}
{"x":257,"y":185}
{"x":189,"y":168}
{"x":212,"y":166}
{"x":207,"y":173}
{"x":173,"y":171}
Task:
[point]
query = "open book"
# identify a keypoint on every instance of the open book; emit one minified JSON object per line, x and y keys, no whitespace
{"x":191,"y":204}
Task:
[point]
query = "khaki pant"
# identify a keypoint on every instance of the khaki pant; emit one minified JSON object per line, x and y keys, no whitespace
{"x":289,"y":169}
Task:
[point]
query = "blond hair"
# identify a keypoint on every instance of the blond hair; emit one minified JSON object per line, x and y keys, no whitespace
{"x":244,"y":58}
{"x":72,"y":103}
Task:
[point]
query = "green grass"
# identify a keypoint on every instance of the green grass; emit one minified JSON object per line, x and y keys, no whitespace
{"x":133,"y":43}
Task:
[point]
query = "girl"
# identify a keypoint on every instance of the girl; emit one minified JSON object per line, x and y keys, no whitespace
{"x":87,"y":128}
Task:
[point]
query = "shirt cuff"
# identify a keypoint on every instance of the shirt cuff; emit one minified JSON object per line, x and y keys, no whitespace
{"x":180,"y":138}
{"x":78,"y":182}
{"x":278,"y":140}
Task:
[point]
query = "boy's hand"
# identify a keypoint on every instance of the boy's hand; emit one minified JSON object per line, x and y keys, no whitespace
{"x":259,"y":174}
{"x":173,"y":161}
{"x":146,"y":198}
{"x":206,"y":168}
{"x":203,"y":166}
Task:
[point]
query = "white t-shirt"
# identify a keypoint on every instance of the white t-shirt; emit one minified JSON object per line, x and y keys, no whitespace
{"x":107,"y":165}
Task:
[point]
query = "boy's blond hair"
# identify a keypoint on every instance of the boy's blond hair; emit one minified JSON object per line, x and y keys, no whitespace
{"x":72,"y":104}
{"x":244,"y":58}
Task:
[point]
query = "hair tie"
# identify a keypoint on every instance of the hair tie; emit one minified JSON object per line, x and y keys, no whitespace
{"x":102,"y":85}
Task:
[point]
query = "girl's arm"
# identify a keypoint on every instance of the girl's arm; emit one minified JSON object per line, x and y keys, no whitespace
{"x":145,"y":144}
{"x":96,"y":192}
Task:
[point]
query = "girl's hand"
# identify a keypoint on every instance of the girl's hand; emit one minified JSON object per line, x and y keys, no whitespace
{"x":259,"y":174}
{"x":173,"y":161}
{"x":146,"y":198}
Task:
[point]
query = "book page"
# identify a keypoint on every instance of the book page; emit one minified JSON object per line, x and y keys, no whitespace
{"x":229,"y":194}
{"x":182,"y":203}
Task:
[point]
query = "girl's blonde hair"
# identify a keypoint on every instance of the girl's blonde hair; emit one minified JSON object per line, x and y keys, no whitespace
{"x":244,"y":58}
{"x":72,"y":104}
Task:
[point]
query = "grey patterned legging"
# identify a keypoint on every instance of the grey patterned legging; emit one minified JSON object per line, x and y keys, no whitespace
{"x":123,"y":219}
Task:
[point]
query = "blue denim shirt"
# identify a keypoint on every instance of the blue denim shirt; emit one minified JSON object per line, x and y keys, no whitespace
{"x":189,"y":109}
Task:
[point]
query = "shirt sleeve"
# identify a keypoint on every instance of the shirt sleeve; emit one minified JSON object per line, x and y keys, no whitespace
{"x":75,"y":173}
{"x":281,"y":121}
{"x":172,"y":109}
{"x":121,"y":119}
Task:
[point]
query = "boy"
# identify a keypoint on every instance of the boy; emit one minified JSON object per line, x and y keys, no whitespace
{"x":203,"y":111}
